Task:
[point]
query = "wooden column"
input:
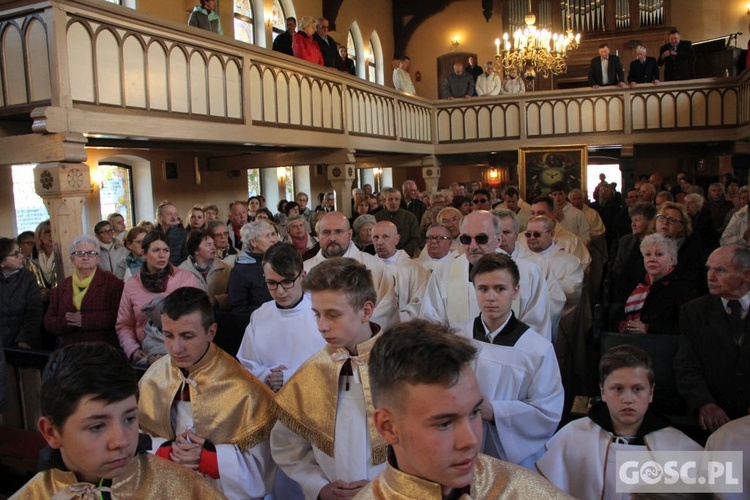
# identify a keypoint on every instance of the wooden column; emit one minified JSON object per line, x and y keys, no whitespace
{"x":431,"y":176}
{"x":342,"y":178}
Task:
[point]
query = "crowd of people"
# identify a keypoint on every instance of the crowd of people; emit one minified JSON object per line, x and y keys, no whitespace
{"x":512,"y":284}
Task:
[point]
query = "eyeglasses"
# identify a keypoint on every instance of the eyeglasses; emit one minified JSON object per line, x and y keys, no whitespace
{"x":481,"y":239}
{"x":15,"y":253}
{"x":106,"y":231}
{"x":285,"y":284}
{"x":479,"y":200}
{"x":436,"y":239}
{"x":224,"y":234}
{"x":668,"y":220}
{"x":87,"y":253}
{"x":535,"y":234}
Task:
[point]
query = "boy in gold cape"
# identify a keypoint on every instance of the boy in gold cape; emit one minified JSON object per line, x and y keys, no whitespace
{"x":90,"y":421}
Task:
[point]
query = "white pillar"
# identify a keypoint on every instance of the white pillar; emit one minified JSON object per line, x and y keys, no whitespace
{"x":302,"y":180}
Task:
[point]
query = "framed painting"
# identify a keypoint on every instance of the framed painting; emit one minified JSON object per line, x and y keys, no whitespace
{"x":541,"y":167}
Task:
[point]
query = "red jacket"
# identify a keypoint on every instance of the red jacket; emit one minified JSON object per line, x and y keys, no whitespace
{"x":98,"y":310}
{"x":306,"y":48}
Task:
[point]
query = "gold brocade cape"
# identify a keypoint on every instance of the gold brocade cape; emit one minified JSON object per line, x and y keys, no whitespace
{"x":493,"y":479}
{"x":146,"y":476}
{"x":230,"y":406}
{"x":308,"y":401}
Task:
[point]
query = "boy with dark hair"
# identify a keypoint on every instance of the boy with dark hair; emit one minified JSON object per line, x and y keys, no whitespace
{"x":325,"y":438}
{"x":203,"y":410}
{"x":516,"y":368}
{"x":89,"y":419}
{"x":428,"y":409}
{"x":577,"y":456}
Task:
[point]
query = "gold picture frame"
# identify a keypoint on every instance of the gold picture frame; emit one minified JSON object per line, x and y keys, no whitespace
{"x":540,"y":167}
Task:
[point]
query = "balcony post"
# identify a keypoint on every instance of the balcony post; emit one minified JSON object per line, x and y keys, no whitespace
{"x":342,"y":178}
{"x":431,"y":176}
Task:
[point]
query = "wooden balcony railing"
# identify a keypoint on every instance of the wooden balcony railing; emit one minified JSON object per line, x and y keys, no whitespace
{"x":119,"y":70}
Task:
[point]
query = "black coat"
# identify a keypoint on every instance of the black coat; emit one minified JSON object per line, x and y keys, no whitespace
{"x":679,"y":66}
{"x":661,"y":309}
{"x":283,"y":43}
{"x":330,"y":51}
{"x":643,"y":72}
{"x":614,"y":70}
{"x":709,"y":366}
{"x":20,"y":309}
{"x":247,"y":289}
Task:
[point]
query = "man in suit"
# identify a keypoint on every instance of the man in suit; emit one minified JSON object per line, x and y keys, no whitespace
{"x":712,"y":365}
{"x":606,"y":69}
{"x":328,"y":46}
{"x":643,"y":69}
{"x":677,"y":58}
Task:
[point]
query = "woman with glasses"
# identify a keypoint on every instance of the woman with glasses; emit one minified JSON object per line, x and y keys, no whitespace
{"x":247,"y":289}
{"x":83,"y":307}
{"x":156,"y":279}
{"x":653,"y":306}
{"x":131,"y":264}
{"x":674,"y":222}
{"x":20,"y":301}
{"x":274,"y":354}
{"x":212,"y":273}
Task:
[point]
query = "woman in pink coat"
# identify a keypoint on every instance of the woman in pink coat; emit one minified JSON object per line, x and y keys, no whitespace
{"x":303,"y":44}
{"x":156,"y":278}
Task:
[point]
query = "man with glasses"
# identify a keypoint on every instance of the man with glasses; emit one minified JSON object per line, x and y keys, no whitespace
{"x":335,"y":236}
{"x":111,"y":251}
{"x":480,"y":200}
{"x":450,"y":296}
{"x":328,"y":46}
{"x":437,"y":250}
{"x":450,"y":217}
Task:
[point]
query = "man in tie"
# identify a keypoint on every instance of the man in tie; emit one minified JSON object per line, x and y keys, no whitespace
{"x":677,"y":58}
{"x":712,"y":365}
{"x":606,"y":69}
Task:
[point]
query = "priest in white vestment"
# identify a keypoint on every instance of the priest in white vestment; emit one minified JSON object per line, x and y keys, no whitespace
{"x":437,"y":250}
{"x":734,"y":436}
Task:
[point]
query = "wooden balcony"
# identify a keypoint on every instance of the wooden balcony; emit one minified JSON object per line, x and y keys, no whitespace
{"x":85,"y":67}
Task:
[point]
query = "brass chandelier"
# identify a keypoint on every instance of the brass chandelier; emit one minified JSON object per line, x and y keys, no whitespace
{"x":534,"y":51}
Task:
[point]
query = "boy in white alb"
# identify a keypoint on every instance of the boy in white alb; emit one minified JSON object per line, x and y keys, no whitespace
{"x":581,"y":457}
{"x":325,"y":438}
{"x":516,"y":368}
{"x":282,"y":334}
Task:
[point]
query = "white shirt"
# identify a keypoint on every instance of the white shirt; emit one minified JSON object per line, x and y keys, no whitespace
{"x":402,"y":81}
{"x":488,"y":84}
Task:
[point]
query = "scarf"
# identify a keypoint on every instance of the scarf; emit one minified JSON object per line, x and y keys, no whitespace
{"x":301,"y":243}
{"x":132,"y":262}
{"x":634,"y":303}
{"x":156,"y":282}
{"x":204,"y":269}
{"x":80,"y":287}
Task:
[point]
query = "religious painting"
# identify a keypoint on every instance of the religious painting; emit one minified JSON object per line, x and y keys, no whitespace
{"x":540,"y":167}
{"x":171,"y":172}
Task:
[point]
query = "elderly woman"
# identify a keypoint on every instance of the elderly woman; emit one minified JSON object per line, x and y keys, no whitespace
{"x":247,"y":286}
{"x":297,"y":235}
{"x":363,"y":230}
{"x":654,"y":304}
{"x":212,"y":273}
{"x":627,"y":268}
{"x":131,"y":264}
{"x":83,"y":307}
{"x":20,"y":301}
{"x":157,"y":278}
{"x":674,"y":222}
{"x":303,"y":44}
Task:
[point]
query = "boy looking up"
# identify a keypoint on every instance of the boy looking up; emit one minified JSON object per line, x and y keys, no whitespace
{"x":90,"y":422}
{"x":202,"y":408}
{"x":516,"y":368}
{"x":577,"y":456}
{"x":325,"y":438}
{"x":428,"y":410}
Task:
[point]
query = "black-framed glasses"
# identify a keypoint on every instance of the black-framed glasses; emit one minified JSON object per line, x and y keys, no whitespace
{"x":479,"y":200}
{"x":285,"y":284}
{"x":535,"y":234}
{"x":668,"y":220}
{"x":107,"y":231}
{"x":438,"y":238}
{"x":481,"y":239}
{"x":87,"y":253}
{"x":15,"y":253}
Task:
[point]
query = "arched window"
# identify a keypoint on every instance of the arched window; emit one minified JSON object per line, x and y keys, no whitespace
{"x":371,"y":64}
{"x":278,"y":19}
{"x":356,"y":49}
{"x":243,"y":21}
{"x":351,"y":49}
{"x":253,"y":182}
{"x":376,"y":51}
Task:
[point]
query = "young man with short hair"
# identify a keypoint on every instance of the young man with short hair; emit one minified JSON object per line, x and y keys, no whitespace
{"x":516,"y":368}
{"x":428,"y":409}
{"x":202,"y":408}
{"x":90,"y":421}
{"x":325,"y":438}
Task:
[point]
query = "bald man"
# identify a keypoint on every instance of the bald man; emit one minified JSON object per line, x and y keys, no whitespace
{"x":408,"y":277}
